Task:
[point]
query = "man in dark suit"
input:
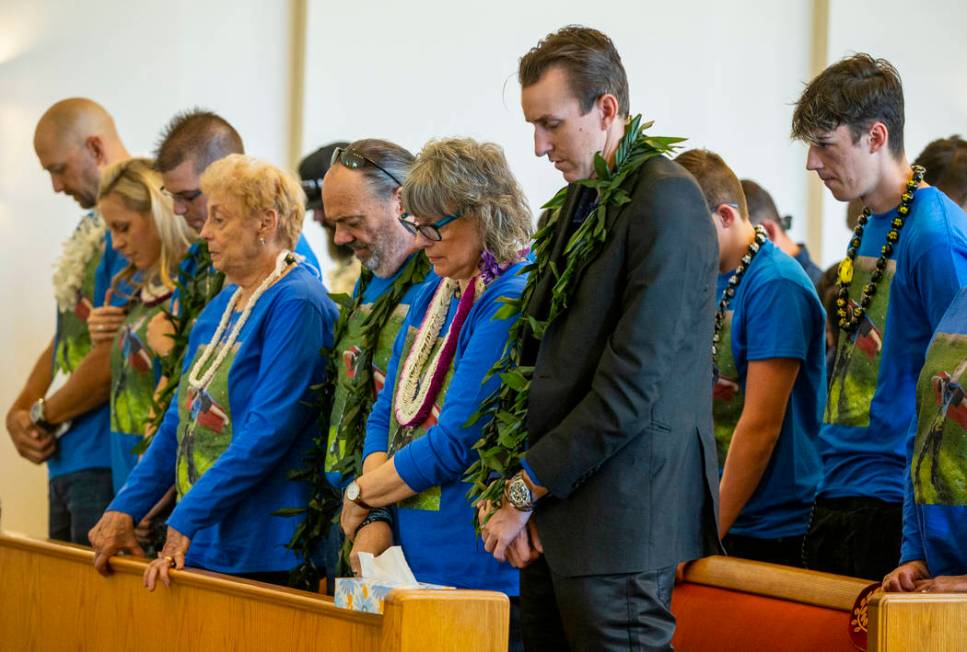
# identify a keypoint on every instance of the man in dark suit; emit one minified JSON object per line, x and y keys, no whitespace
{"x":621,"y":466}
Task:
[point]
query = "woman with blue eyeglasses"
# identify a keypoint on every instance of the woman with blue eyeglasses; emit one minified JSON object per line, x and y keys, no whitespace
{"x":470,"y":216}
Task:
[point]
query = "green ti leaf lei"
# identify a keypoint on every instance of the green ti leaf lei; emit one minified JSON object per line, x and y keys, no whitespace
{"x":325,"y":502}
{"x":504,"y":437}
{"x":194,"y":293}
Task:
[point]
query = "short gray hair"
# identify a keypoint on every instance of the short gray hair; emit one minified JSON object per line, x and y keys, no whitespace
{"x":462,"y":176}
{"x":392,"y":158}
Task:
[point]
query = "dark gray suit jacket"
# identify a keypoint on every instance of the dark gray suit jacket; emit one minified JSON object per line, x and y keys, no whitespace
{"x":620,"y":411}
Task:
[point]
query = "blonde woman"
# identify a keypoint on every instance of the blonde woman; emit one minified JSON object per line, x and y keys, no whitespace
{"x":145,"y":230}
{"x":242,"y":416}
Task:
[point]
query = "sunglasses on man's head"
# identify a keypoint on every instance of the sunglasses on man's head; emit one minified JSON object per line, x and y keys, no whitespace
{"x":186,"y":196}
{"x":354,"y":160}
{"x":428,"y":231}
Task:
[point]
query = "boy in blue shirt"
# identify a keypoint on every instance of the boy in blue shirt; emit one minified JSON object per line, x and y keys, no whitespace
{"x":905,"y":262}
{"x":769,"y":353}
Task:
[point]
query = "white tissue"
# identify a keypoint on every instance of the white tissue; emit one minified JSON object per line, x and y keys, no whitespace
{"x":389,"y":568}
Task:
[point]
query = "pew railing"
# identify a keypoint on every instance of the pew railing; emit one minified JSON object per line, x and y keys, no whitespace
{"x":764,"y":607}
{"x":51,"y":598}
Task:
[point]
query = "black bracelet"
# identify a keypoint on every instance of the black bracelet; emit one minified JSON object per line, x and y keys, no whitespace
{"x":381,"y":514}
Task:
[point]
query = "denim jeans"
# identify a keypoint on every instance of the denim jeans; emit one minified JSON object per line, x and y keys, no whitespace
{"x":77,"y":501}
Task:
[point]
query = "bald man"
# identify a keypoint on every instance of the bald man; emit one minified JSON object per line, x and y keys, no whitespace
{"x":61,"y":415}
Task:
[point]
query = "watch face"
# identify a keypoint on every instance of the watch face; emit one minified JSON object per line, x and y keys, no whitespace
{"x":352,"y":491}
{"x":36,"y":412}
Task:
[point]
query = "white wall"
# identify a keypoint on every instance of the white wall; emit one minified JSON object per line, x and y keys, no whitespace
{"x":926,"y":44}
{"x":723,"y":74}
{"x":143,"y":61}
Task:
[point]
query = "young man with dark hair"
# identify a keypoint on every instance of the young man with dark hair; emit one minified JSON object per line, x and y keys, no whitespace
{"x":770,"y":357}
{"x":762,"y":210}
{"x":906,"y":261}
{"x":620,"y":470}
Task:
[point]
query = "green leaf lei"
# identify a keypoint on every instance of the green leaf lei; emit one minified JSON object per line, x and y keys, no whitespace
{"x":504,"y":437}
{"x":325,"y":502}
{"x":194,"y":293}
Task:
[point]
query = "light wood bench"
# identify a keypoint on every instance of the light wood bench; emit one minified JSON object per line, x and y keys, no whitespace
{"x":51,"y":598}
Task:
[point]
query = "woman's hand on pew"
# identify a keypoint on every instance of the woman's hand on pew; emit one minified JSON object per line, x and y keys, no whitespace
{"x":906,"y":577}
{"x":374,"y":538}
{"x":113,"y":533}
{"x":172,"y":555}
{"x":944,"y":584}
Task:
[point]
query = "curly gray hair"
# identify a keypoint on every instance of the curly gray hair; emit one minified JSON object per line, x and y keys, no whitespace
{"x":461,"y":175}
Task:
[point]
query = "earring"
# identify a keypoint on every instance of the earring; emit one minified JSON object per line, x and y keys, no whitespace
{"x":262,"y":241}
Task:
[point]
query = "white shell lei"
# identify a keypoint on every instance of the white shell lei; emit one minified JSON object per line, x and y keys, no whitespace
{"x":415,"y":376}
{"x":281,"y":263}
{"x":71,"y":267}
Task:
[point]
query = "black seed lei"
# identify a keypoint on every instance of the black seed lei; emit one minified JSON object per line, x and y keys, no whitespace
{"x":849,"y":317}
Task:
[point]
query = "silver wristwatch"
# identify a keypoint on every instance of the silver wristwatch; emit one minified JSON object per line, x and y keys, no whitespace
{"x":38,"y":414}
{"x":519,"y":495}
{"x":354,"y":495}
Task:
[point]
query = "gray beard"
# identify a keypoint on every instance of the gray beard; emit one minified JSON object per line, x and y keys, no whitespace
{"x":384,"y":251}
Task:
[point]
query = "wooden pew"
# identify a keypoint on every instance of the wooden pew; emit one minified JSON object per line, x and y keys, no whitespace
{"x":52,"y":599}
{"x":727,"y":604}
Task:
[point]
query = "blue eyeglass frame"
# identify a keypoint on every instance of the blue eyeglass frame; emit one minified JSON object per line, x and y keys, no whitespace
{"x":428,"y":231}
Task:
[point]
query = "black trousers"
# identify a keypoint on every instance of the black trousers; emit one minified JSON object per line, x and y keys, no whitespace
{"x":784,"y":550}
{"x":858,"y":536}
{"x":628,"y":611}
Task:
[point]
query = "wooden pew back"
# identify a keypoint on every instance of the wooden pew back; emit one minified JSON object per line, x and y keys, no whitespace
{"x":735,"y":604}
{"x":52,"y":599}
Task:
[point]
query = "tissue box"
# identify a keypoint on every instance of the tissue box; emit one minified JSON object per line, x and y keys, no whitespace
{"x":361,"y":594}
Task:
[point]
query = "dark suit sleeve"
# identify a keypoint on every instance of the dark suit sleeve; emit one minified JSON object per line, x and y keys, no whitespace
{"x":671,"y":254}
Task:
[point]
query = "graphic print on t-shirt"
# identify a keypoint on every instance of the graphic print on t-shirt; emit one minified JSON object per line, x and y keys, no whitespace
{"x":400,"y":437}
{"x":856,"y":367}
{"x":727,"y":396}
{"x":133,"y":377}
{"x":940,"y":448}
{"x":347,"y":367}
{"x":204,"y":423}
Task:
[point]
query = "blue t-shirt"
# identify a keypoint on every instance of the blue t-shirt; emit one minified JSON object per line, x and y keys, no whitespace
{"x":86,"y":445}
{"x":935,"y":503}
{"x":436,"y":527}
{"x":229,"y":448}
{"x":872,"y":390}
{"x":348,"y":349}
{"x":775,"y":313}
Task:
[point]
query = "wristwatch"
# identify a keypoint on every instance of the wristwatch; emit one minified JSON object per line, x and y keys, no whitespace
{"x":38,"y":414}
{"x":519,"y":495}
{"x":353,"y":494}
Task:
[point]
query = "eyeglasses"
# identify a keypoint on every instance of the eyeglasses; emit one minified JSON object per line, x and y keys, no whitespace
{"x":428,"y":231}
{"x":186,"y":196}
{"x":354,"y":160}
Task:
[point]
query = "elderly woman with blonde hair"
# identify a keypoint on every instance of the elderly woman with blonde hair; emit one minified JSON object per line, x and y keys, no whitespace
{"x":241,"y":418}
{"x":471,"y":218}
{"x":145,"y":230}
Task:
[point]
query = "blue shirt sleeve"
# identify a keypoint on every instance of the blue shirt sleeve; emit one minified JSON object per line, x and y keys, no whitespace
{"x":940,"y":272}
{"x":279,"y":411}
{"x":155,"y":473}
{"x":911,"y":548}
{"x":780,"y":318}
{"x":530,"y":472}
{"x":446,"y":451}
